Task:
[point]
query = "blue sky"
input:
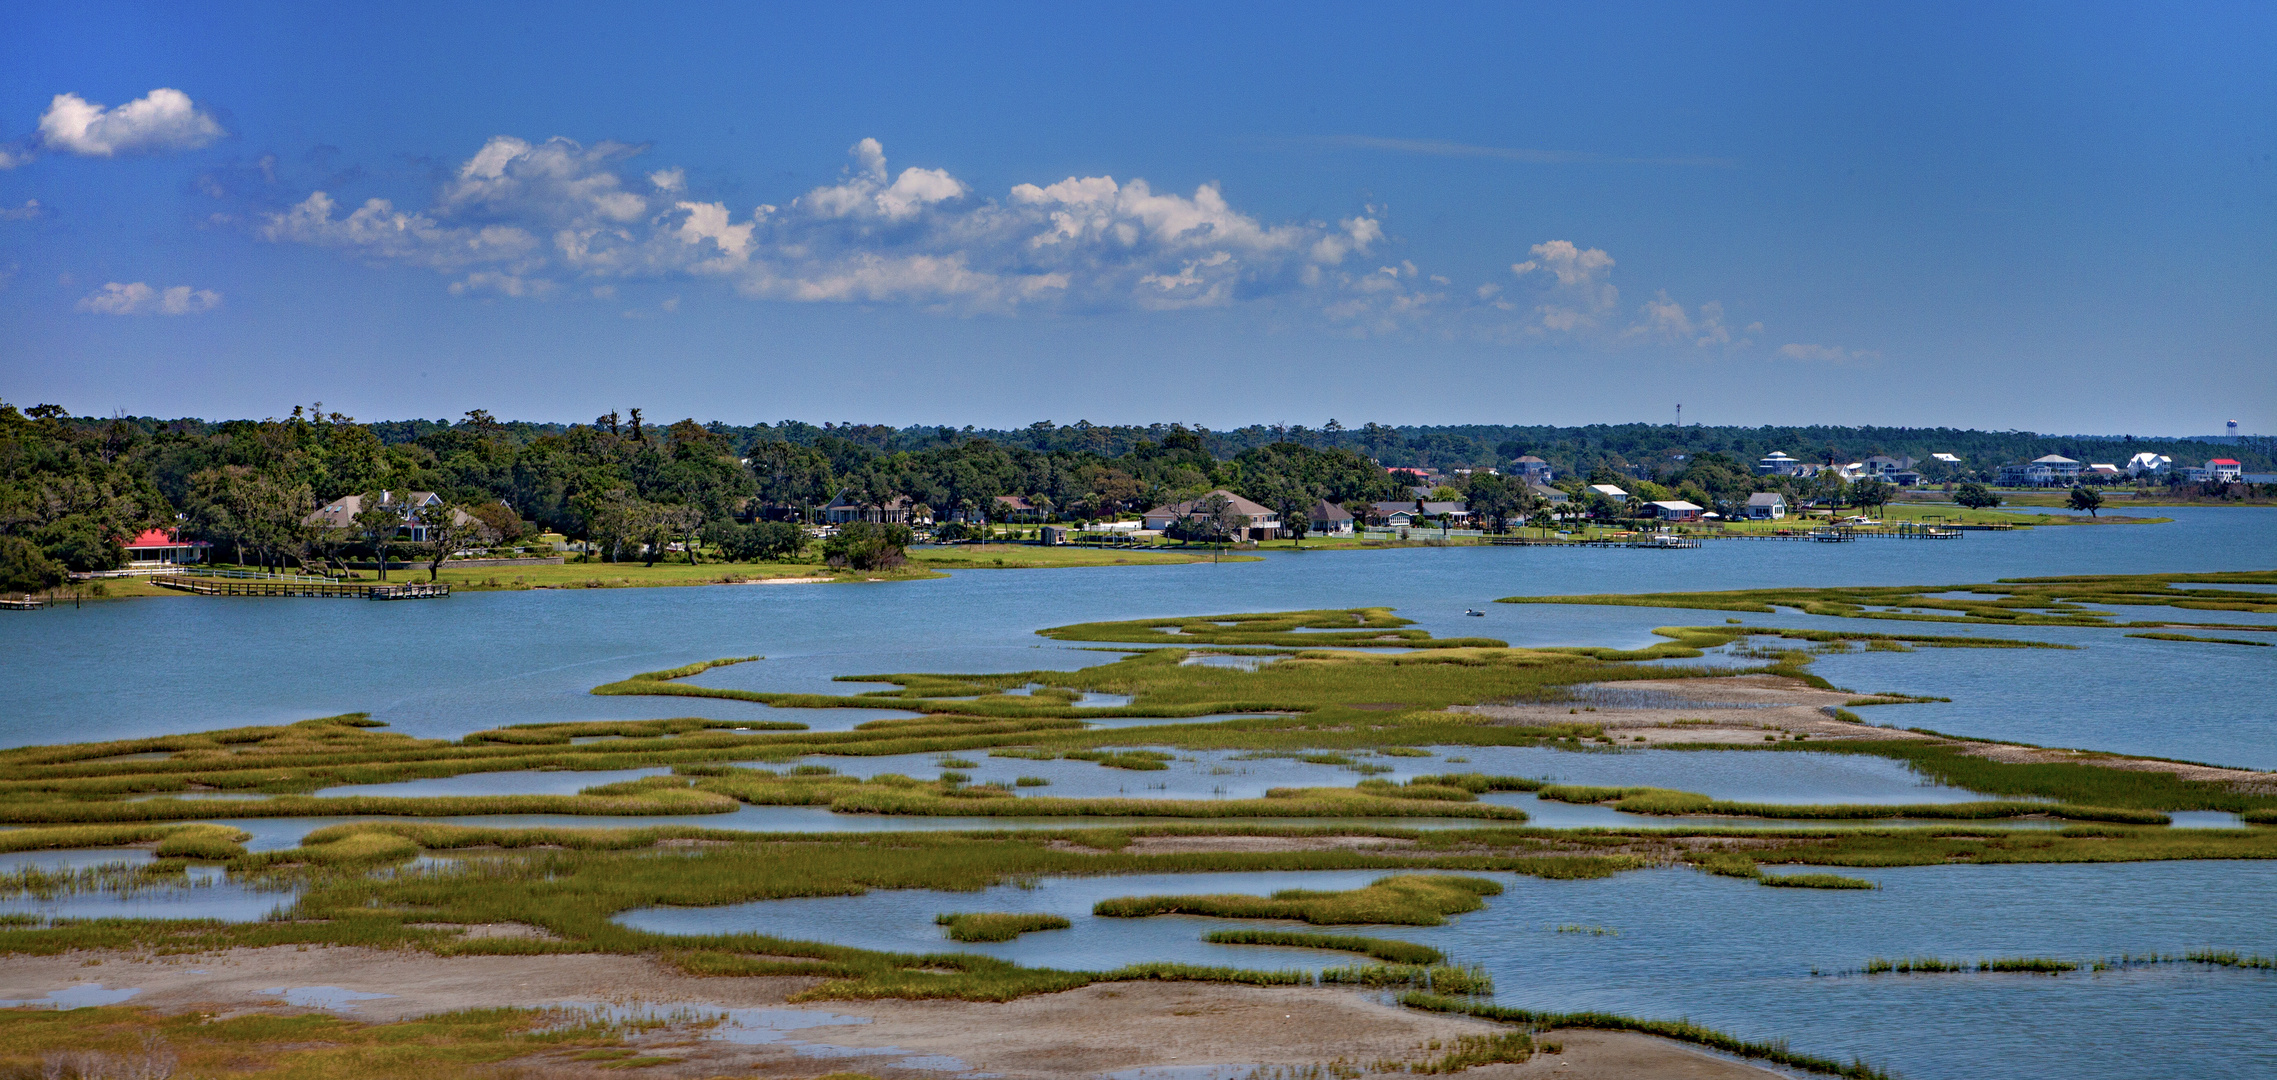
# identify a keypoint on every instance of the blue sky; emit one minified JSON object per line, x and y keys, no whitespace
{"x":2057,"y":217}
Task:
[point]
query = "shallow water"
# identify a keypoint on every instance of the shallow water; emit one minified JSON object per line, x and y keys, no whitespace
{"x":289,"y":660}
{"x":1732,"y":954}
{"x":212,"y":894}
{"x":772,"y":1027}
{"x":74,"y":859}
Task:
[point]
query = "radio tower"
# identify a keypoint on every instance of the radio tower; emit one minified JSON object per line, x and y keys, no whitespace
{"x":1679,"y":414}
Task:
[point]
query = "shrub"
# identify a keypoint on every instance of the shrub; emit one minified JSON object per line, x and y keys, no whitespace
{"x":863,"y":545}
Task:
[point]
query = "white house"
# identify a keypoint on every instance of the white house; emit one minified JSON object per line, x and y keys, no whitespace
{"x":1675,"y":510}
{"x":2225,"y":470}
{"x":1777,"y":463}
{"x":2149,"y":464}
{"x":1610,"y":492}
{"x":1766,"y":506}
{"x":844,"y":509}
{"x":2042,"y":471}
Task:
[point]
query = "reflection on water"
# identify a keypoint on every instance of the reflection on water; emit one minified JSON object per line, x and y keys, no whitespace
{"x":206,"y":892}
{"x":1732,"y":954}
{"x":477,"y":669}
{"x":772,"y":1027}
{"x":84,"y":995}
{"x":66,"y":861}
{"x":530,"y":782}
{"x":330,"y":998}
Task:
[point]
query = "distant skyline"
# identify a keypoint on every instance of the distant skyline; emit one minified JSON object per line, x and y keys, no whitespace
{"x":2060,"y":218}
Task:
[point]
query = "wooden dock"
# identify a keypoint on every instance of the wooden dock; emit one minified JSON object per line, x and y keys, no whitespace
{"x":417,"y":590}
{"x":26,"y":603}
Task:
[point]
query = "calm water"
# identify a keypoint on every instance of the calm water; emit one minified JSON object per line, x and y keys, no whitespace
{"x":1735,"y":955}
{"x":1723,"y":952}
{"x":483,"y":659}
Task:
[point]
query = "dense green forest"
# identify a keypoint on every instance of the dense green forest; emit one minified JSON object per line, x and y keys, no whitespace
{"x":72,"y":487}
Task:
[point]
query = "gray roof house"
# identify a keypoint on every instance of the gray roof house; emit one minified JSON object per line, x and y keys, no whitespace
{"x":341,"y":513}
{"x":1766,"y":506}
{"x":1329,"y":519}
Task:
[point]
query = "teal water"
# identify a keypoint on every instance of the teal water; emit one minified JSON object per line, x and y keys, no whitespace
{"x":479,"y":660}
{"x":1733,"y":955}
{"x":1726,"y":953}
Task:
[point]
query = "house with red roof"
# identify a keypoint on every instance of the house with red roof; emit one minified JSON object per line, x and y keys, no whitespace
{"x":2225,"y":470}
{"x":157,"y":548}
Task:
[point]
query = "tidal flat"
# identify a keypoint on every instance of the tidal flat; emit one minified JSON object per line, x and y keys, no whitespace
{"x":551,"y":831}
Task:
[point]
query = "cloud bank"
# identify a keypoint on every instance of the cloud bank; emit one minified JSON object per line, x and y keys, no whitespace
{"x":141,"y":299}
{"x":522,"y":219}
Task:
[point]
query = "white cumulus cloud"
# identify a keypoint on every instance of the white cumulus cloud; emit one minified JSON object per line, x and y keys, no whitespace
{"x":138,"y":298}
{"x":159,"y":121}
{"x":521,"y":218}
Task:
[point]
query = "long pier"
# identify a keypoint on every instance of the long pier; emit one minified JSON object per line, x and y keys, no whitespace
{"x":416,"y":590}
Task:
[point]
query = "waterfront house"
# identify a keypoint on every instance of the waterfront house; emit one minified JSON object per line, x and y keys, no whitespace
{"x":156,"y":548}
{"x":2149,"y":464}
{"x":1610,"y":492}
{"x":1674,"y":510}
{"x":341,"y":513}
{"x":1017,"y":508}
{"x":2043,"y":471}
{"x":1329,"y":519}
{"x":2225,"y":470}
{"x":1777,"y":463}
{"x":1549,"y":494}
{"x":845,"y":510}
{"x":1766,"y":506}
{"x":1263,"y":524}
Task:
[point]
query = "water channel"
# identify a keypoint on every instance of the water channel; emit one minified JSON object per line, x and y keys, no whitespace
{"x":1723,"y":952}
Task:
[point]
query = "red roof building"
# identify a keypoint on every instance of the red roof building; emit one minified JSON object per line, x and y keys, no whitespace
{"x":157,"y":547}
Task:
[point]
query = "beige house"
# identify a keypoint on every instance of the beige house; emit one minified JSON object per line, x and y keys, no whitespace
{"x":341,"y":513}
{"x":1263,"y":524}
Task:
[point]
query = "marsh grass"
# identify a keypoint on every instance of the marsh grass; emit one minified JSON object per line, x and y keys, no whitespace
{"x":1438,"y":978}
{"x":1408,"y":900}
{"x":2011,"y":602}
{"x":2045,"y":965}
{"x":983,"y":926}
{"x":1388,"y":950}
{"x":1327,"y":628}
{"x":2083,"y":781}
{"x":1815,"y":881}
{"x":122,"y":1042}
{"x":1775,"y":1051}
{"x":2208,"y":640}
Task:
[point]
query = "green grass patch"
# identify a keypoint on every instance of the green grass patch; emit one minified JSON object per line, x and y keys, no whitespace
{"x":1815,"y":881}
{"x":2052,"y":601}
{"x":1388,"y":950}
{"x":2208,"y":640}
{"x":996,"y":926}
{"x":1348,"y":628}
{"x":1776,"y":1052}
{"x":1408,"y":900}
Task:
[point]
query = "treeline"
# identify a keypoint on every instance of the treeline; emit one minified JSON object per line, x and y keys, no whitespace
{"x":1621,"y":447}
{"x":71,"y":488}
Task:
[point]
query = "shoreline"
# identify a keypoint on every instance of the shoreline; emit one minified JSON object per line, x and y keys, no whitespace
{"x":1072,"y":1035}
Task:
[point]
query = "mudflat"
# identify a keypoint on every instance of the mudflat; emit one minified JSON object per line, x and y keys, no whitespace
{"x":1077,"y":1034}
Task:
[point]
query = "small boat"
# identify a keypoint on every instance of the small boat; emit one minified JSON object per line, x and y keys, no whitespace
{"x":1474,"y":611}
